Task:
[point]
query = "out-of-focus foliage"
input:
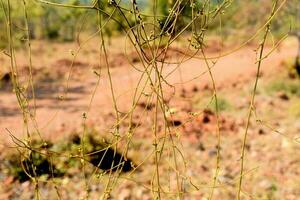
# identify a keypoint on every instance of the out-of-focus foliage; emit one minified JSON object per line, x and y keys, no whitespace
{"x":3,"y":29}
{"x":63,"y":24}
{"x":45,"y":22}
{"x":240,"y":17}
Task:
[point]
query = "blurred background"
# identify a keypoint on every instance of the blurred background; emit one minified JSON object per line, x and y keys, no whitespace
{"x":164,"y":88}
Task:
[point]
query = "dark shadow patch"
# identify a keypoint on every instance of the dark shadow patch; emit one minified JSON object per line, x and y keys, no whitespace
{"x":147,"y":106}
{"x":108,"y":159}
{"x":75,"y":139}
{"x":174,"y":123}
{"x":41,"y":165}
{"x":6,"y":82}
{"x":68,"y":63}
{"x":206,"y":119}
{"x":6,"y":78}
{"x":53,"y":90}
{"x":35,"y":165}
{"x":9,"y":112}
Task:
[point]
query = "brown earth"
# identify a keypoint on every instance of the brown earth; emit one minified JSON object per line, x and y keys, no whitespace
{"x":271,"y":161}
{"x":55,"y":116}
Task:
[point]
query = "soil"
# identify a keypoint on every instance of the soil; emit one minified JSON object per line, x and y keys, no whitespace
{"x":193,"y":125}
{"x":55,"y":116}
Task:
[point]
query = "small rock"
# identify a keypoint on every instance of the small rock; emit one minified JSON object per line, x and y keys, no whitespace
{"x":195,"y":89}
{"x":205,"y":119}
{"x":25,"y":184}
{"x":147,"y":106}
{"x":183,"y":93}
{"x":8,"y":180}
{"x":234,"y":84}
{"x":125,"y":194}
{"x":142,"y":194}
{"x":5,"y":77}
{"x":271,"y":103}
{"x":94,"y":188}
{"x":226,"y":179}
{"x":212,"y":152}
{"x":208,"y":112}
{"x":174,"y":122}
{"x":248,"y":147}
{"x":261,"y":131}
{"x":265,"y":184}
{"x":206,"y":87}
{"x":283,"y":96}
{"x":201,"y":147}
{"x":204,"y":168}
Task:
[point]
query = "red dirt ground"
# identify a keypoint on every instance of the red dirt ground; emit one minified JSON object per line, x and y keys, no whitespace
{"x":55,"y":117}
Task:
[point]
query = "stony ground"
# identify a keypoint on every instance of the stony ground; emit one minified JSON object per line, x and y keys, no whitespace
{"x":271,"y":163}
